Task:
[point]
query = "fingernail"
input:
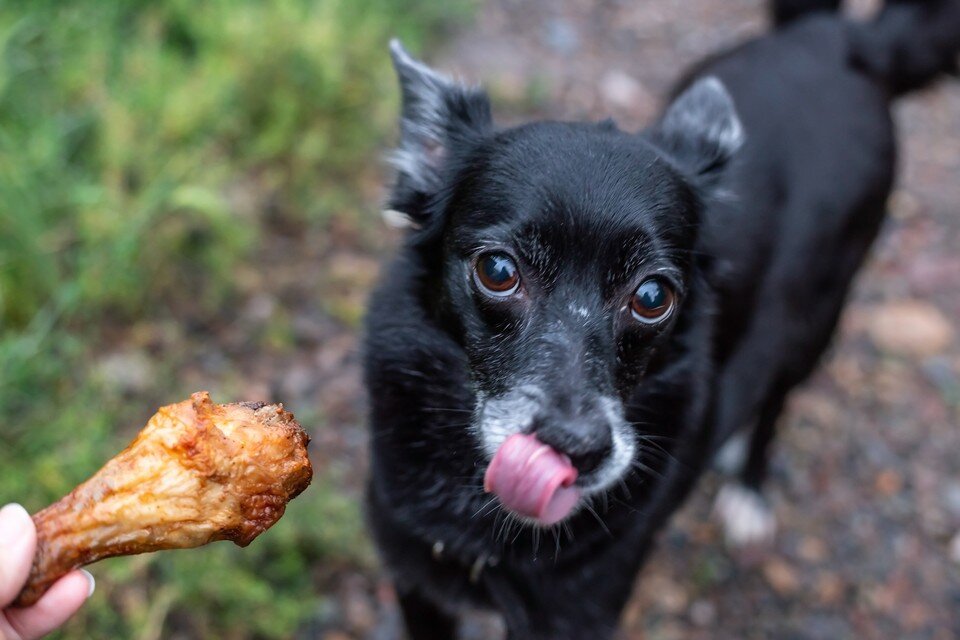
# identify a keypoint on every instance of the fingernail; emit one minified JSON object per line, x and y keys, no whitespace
{"x":93,"y":583}
{"x":14,"y":524}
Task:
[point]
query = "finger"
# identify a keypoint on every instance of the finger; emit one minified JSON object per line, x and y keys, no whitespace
{"x":18,"y":542}
{"x":55,"y":607}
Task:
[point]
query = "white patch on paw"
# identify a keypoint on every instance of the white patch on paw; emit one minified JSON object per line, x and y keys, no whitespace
{"x":746,"y":517}
{"x":732,"y":455}
{"x":955,"y":548}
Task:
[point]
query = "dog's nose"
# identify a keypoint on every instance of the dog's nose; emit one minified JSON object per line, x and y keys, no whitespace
{"x":587,"y":442}
{"x":587,"y":462}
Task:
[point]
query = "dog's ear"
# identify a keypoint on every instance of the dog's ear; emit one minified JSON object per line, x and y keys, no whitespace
{"x":700,"y":130}
{"x":436,"y":114}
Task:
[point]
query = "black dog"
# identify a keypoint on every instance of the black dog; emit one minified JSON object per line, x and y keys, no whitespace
{"x":580,"y":317}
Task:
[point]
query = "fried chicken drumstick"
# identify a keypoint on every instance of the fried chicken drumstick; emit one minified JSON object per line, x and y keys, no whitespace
{"x":198,"y":472}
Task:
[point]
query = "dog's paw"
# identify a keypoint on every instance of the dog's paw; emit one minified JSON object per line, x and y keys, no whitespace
{"x":746,"y":517}
{"x":731,"y":457}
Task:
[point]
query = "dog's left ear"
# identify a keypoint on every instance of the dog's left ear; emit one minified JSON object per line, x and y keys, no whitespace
{"x":700,"y":130}
{"x":436,"y":114}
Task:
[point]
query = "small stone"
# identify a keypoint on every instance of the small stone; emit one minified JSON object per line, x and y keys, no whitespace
{"x":942,"y":373}
{"x":562,"y":37}
{"x":883,"y":599}
{"x":259,"y":309}
{"x":667,"y":630}
{"x":904,"y":205}
{"x":668,"y":595}
{"x":916,"y":616}
{"x":620,"y":90}
{"x":955,"y":549}
{"x":888,"y":483}
{"x":812,"y":549}
{"x":910,"y":328}
{"x":829,"y":589}
{"x":951,"y":498}
{"x":781,"y":577}
{"x":703,"y":613}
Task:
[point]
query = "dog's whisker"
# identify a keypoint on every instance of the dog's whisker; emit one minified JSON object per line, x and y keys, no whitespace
{"x":446,"y":410}
{"x":650,"y":471}
{"x":597,"y":517}
{"x":656,"y":437}
{"x":491,"y":506}
{"x":451,"y":425}
{"x":504,"y":521}
{"x":517,"y":534}
{"x":659,"y":453}
{"x":605,"y":499}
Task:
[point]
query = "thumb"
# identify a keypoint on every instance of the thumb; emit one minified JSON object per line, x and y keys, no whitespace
{"x":18,"y":542}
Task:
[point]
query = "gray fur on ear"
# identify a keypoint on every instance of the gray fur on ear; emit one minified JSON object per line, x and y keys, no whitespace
{"x":435,"y":110}
{"x":701,"y":128}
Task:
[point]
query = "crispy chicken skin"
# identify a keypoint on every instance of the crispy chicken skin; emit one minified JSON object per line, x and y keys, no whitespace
{"x":198,"y":472}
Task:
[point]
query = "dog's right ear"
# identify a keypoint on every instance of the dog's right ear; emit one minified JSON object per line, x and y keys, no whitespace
{"x":436,"y":114}
{"x":700,"y":130}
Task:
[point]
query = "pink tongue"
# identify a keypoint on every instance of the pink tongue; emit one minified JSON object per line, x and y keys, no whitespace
{"x":532,"y":479}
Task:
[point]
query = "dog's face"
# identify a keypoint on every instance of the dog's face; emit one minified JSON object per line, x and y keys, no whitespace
{"x":563,"y":255}
{"x":566,"y":259}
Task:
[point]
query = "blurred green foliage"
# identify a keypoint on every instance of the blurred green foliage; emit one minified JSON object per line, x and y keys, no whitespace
{"x":146,"y":151}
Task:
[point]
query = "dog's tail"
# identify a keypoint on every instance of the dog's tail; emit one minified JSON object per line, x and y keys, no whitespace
{"x":909,"y":43}
{"x":906,"y":46}
{"x":786,"y":11}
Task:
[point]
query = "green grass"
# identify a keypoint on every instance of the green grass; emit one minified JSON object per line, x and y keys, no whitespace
{"x":133,"y":132}
{"x":147,"y":150}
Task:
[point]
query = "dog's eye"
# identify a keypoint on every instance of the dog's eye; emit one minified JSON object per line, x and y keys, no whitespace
{"x":496,"y":274}
{"x":652,"y":301}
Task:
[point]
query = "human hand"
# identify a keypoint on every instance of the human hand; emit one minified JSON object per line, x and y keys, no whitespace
{"x":18,"y":543}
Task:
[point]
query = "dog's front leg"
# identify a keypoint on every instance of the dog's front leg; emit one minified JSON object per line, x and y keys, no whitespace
{"x":571,"y":621}
{"x":574,"y":605}
{"x":424,"y":620}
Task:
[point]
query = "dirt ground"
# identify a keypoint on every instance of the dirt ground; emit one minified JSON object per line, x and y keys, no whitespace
{"x":866,"y":484}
